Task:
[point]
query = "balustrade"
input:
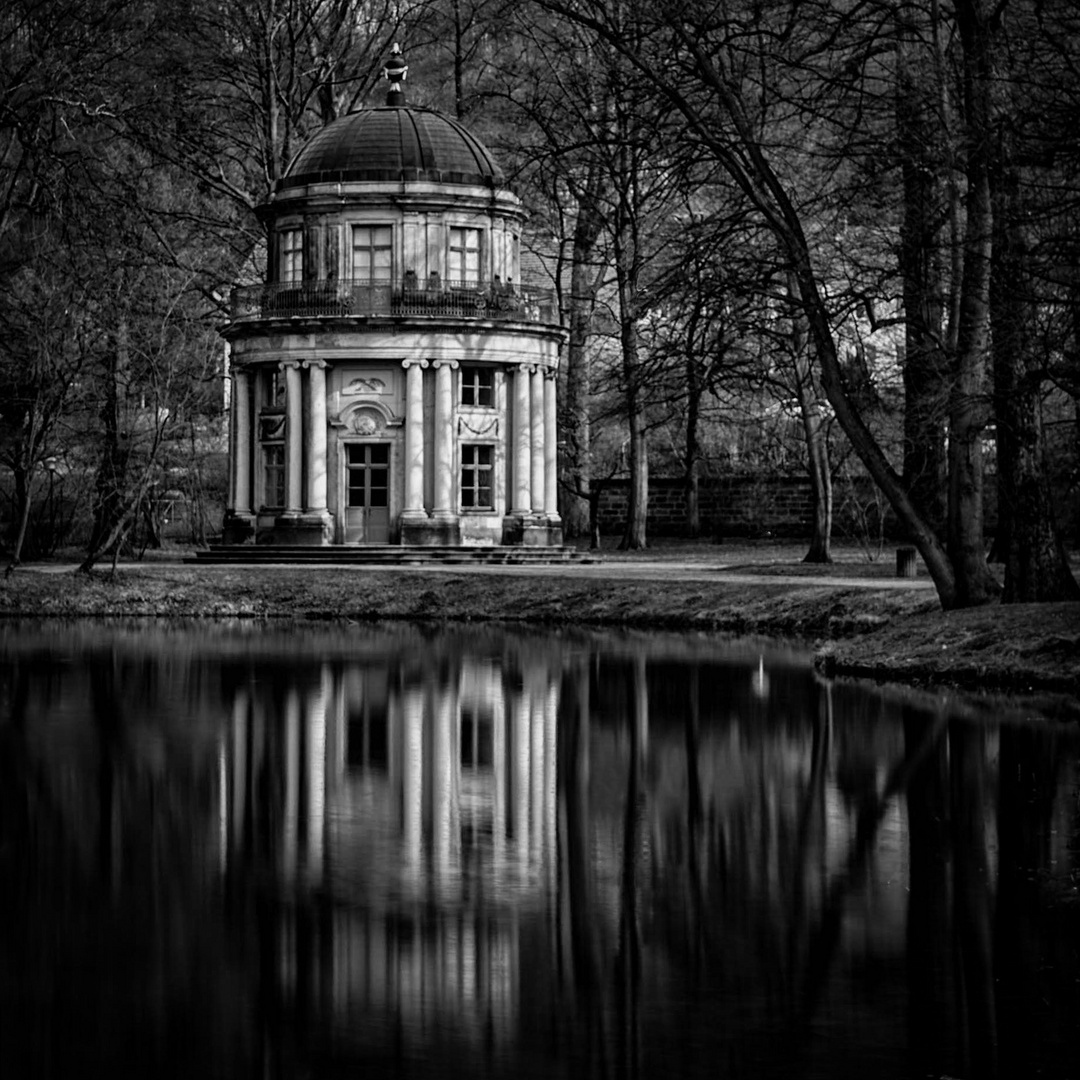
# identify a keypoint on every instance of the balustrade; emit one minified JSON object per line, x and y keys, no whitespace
{"x":345,"y":298}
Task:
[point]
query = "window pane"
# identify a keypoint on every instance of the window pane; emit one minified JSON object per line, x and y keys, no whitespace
{"x":465,"y":255}
{"x":274,"y":474}
{"x":477,"y":386}
{"x":476,"y":477}
{"x":372,"y":253}
{"x":292,"y":255}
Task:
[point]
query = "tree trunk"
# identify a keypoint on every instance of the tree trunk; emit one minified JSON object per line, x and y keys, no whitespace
{"x":967,"y":400}
{"x":936,"y":558}
{"x":110,"y":541}
{"x":459,"y":61}
{"x":920,"y":136}
{"x":625,"y":246}
{"x":817,"y":448}
{"x":112,"y":470}
{"x":575,"y":427}
{"x":691,"y":451}
{"x":637,"y":507}
{"x":1036,"y":566}
{"x":820,"y":478}
{"x":23,"y":493}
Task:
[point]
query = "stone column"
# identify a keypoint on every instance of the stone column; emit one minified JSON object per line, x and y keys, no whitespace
{"x":444,"y":439}
{"x":522,"y":503}
{"x":315,"y":438}
{"x":551,"y":451}
{"x":241,"y":448}
{"x":414,"y":439}
{"x":537,"y":440}
{"x":230,"y":497}
{"x":294,"y":425}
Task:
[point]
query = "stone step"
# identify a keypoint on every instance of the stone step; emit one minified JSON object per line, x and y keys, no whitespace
{"x":386,"y":554}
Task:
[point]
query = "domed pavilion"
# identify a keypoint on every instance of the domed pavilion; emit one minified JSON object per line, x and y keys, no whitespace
{"x":393,"y":379}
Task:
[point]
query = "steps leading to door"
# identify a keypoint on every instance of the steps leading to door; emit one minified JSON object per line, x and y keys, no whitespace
{"x":388,"y":555}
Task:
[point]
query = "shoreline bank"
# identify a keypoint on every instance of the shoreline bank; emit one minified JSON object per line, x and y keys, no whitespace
{"x":857,"y":620}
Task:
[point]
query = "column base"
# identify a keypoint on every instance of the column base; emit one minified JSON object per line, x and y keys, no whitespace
{"x":311,"y":529}
{"x":429,"y":532}
{"x":525,"y":530}
{"x":555,"y":531}
{"x":238,"y":528}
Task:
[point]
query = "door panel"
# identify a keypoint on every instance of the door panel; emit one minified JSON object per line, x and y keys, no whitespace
{"x":367,"y":493}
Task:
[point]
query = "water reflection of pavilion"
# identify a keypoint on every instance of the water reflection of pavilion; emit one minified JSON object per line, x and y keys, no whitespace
{"x":422,"y":801}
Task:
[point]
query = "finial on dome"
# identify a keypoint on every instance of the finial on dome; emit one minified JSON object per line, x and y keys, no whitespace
{"x":395,"y":69}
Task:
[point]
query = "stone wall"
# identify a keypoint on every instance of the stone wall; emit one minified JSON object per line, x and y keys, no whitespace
{"x":762,"y":506}
{"x":729,"y":506}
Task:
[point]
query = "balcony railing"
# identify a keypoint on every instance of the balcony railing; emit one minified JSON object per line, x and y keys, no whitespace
{"x":348,"y":298}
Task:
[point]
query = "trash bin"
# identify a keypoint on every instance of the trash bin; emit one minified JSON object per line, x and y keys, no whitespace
{"x":906,"y":562}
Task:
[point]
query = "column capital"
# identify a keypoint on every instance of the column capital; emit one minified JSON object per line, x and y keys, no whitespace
{"x":453,"y":365}
{"x":288,"y":365}
{"x":406,"y":364}
{"x":321,"y":364}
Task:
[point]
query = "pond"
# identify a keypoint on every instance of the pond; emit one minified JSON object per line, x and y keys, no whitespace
{"x":399,"y":851}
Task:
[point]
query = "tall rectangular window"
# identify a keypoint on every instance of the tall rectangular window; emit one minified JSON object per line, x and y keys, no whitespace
{"x":464,"y":266}
{"x":371,"y":253}
{"x":476,"y":468}
{"x":478,"y":386}
{"x":273,"y":474}
{"x":273,"y":395}
{"x":292,"y":255}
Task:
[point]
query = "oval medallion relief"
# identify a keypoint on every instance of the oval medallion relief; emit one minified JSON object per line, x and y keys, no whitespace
{"x":366,"y":422}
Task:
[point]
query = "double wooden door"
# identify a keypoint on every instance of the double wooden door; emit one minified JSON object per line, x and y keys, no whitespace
{"x":367,"y":493}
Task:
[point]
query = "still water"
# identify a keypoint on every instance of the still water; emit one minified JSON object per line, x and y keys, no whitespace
{"x":401,"y":852}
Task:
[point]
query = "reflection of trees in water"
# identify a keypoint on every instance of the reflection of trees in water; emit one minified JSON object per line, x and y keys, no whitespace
{"x":102,"y":881}
{"x":778,"y":871}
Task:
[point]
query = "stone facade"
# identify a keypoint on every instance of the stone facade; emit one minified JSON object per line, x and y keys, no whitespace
{"x":393,"y":381}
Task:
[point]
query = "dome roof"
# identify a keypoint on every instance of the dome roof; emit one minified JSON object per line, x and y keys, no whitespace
{"x":393,"y":143}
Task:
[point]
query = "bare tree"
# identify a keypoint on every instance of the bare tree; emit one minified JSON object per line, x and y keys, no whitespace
{"x":723,"y":90}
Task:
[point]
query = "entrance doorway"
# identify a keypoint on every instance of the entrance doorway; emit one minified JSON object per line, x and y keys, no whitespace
{"x":367,"y":493}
